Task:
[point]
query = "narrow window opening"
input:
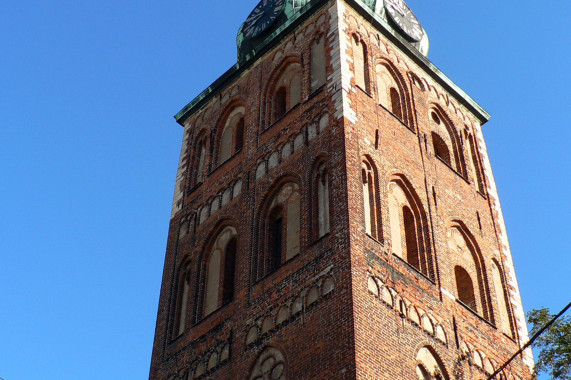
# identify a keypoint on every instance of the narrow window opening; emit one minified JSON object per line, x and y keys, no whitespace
{"x":201,"y":160}
{"x":412,"y":256}
{"x":396,"y":108}
{"x":465,"y":288}
{"x":276,"y":238}
{"x":280,"y":105}
{"x":240,"y":135}
{"x":434,"y":196}
{"x":479,"y":220}
{"x":183,"y":303}
{"x":440,"y":148}
{"x":376,"y":139}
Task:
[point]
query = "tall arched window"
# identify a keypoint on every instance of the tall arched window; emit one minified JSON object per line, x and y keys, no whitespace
{"x":360,"y":63}
{"x":318,"y":72}
{"x":218,"y":279}
{"x":409,"y":227}
{"x":465,"y":288}
{"x":199,"y":158}
{"x":232,"y":136}
{"x":446,"y":141}
{"x":370,"y":199}
{"x":285,"y":92}
{"x":182,"y":304}
{"x":469,"y":271}
{"x":505,"y":322}
{"x":280,"y":230}
{"x":391,"y":91}
{"x":321,"y":199}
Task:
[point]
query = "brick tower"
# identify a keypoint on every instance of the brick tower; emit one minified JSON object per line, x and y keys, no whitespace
{"x":335,"y":214}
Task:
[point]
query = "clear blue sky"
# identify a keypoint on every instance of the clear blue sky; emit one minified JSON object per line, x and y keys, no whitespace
{"x":89,"y":155}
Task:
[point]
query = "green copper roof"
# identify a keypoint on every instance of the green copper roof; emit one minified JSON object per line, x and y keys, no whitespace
{"x":367,"y":11}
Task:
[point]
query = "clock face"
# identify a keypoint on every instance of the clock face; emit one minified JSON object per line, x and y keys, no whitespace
{"x":264,"y":15}
{"x":401,"y":14}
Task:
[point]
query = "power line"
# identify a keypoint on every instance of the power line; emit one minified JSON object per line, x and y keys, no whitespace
{"x":533,"y":338}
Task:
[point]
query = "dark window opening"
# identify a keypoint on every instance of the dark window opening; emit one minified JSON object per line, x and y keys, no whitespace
{"x":465,"y":288}
{"x":441,"y":149}
{"x":396,"y":108}
{"x":280,"y":105}
{"x":276,"y":239}
{"x":240,"y":135}
{"x":229,"y":270}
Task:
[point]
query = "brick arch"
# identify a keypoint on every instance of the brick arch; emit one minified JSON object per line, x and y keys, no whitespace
{"x":428,"y":358}
{"x":273,"y":85}
{"x":262,"y":264}
{"x":200,"y":137}
{"x":426,"y":261}
{"x":457,"y":151}
{"x":482,"y":283}
{"x":405,"y":113}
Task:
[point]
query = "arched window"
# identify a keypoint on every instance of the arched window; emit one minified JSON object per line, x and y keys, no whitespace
{"x":469,"y":271}
{"x":321,"y":199}
{"x":446,"y":141}
{"x":219,"y":266}
{"x":199,"y":158}
{"x":286,"y":91}
{"x":465,"y":288}
{"x":429,"y":365}
{"x":409,"y":227}
{"x":280,"y":230}
{"x":505,"y":321}
{"x":360,"y":63}
{"x":318,"y":72}
{"x":182,"y":304}
{"x":370,"y":199}
{"x":232,"y":136}
{"x":269,"y":365}
{"x":392,"y":91}
{"x":441,"y":150}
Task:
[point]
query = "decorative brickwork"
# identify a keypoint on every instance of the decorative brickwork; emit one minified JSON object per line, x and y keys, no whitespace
{"x":335,"y":217}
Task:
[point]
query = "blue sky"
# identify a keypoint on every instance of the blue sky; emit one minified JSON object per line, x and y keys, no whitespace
{"x":89,"y":155}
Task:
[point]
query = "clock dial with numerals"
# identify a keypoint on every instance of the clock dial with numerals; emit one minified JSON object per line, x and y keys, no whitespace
{"x":262,"y":17}
{"x":401,"y":15}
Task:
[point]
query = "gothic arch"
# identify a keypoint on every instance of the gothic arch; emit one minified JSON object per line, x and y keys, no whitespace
{"x":470,"y":259}
{"x":505,"y":314}
{"x":284,"y":89}
{"x":393,"y":92}
{"x":361,"y":62}
{"x":443,"y":127}
{"x":409,"y":226}
{"x":429,"y":366}
{"x":278,"y":232}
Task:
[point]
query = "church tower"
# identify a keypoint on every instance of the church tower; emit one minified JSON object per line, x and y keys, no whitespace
{"x":335,"y":214}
